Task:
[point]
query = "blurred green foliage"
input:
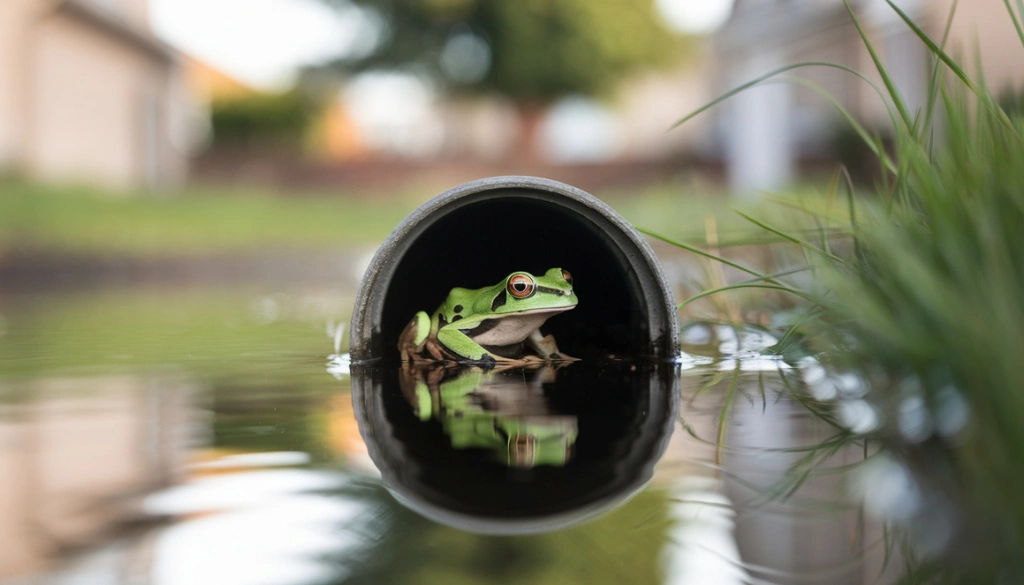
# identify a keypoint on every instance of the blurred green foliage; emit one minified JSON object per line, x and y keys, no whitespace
{"x":539,"y":49}
{"x":264,"y":120}
{"x":402,"y":547}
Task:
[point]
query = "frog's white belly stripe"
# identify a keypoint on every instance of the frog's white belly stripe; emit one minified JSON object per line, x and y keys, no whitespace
{"x":514,"y":328}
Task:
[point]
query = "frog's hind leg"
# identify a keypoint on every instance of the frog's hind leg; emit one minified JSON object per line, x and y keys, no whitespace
{"x":414,"y":337}
{"x":438,"y":351}
{"x":546,"y":347}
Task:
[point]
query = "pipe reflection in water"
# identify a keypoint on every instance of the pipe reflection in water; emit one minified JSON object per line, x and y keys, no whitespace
{"x":515,"y":452}
{"x":503,"y":412}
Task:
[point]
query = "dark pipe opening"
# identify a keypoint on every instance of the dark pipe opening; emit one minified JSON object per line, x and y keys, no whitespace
{"x":480,"y":244}
{"x":475,"y":235}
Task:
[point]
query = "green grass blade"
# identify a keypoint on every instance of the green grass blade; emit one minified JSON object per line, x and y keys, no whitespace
{"x":714,"y":380}
{"x":774,"y":73}
{"x":700,"y":252}
{"x":723,"y":416}
{"x":935,"y":49}
{"x":854,"y":124}
{"x":852,"y":207}
{"x":956,"y":69}
{"x":1013,"y":17}
{"x":747,"y":284}
{"x":770,"y":240}
{"x":1020,"y":9}
{"x":803,"y":208}
{"x":887,"y":549}
{"x":807,"y":316}
{"x":796,"y":241}
{"x":833,"y":232}
{"x":934,"y":80}
{"x":781,"y":288}
{"x":890,"y":86}
{"x":764,"y":397}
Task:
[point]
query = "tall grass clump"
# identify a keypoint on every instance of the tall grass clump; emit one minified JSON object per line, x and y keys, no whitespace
{"x":934,"y":302}
{"x":928,"y":303}
{"x":933,"y":308}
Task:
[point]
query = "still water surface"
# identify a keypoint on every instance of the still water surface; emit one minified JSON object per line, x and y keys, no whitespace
{"x":216,"y":436}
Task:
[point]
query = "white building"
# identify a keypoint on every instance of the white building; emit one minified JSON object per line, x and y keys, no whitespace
{"x":765,"y":131}
{"x":88,"y":94}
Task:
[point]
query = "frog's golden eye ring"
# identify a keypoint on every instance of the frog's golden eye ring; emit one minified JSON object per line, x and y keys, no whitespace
{"x":521,"y":286}
{"x":567,"y":276}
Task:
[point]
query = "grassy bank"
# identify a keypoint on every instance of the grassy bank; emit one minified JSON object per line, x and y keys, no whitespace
{"x":69,"y":220}
{"x":77,"y":220}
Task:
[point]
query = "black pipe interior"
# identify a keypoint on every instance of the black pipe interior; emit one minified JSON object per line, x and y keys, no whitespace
{"x":480,"y":243}
{"x":623,"y":416}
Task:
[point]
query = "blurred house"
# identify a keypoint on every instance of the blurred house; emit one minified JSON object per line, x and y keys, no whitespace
{"x":767,"y":132}
{"x":77,"y":459}
{"x":87,"y":93}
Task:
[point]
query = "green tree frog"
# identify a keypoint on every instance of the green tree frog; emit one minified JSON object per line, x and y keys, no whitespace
{"x":488,"y":325}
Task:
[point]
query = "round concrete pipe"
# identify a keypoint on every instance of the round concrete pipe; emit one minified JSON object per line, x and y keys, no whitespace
{"x":477,"y":233}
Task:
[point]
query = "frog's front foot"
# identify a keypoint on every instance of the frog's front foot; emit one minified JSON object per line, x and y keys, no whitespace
{"x":498,"y":363}
{"x":493,"y":361}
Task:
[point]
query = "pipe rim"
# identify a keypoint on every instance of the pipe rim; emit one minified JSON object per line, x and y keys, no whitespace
{"x":660,"y":303}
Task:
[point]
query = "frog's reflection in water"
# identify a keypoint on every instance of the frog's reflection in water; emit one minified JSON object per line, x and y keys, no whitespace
{"x":515,"y":451}
{"x":505,"y":413}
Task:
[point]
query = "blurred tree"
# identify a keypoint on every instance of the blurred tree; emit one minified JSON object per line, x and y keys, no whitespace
{"x":529,"y":50}
{"x":532,"y":51}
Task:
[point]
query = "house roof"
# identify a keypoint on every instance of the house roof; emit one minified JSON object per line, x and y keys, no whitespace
{"x":207,"y":82}
{"x":116,"y":28}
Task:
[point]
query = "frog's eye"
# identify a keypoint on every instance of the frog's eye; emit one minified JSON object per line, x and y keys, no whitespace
{"x":521,"y":286}
{"x":567,"y":276}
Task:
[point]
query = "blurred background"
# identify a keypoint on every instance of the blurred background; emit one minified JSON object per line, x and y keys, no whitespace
{"x":190,"y":191}
{"x":368,"y":97}
{"x":363,"y":109}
